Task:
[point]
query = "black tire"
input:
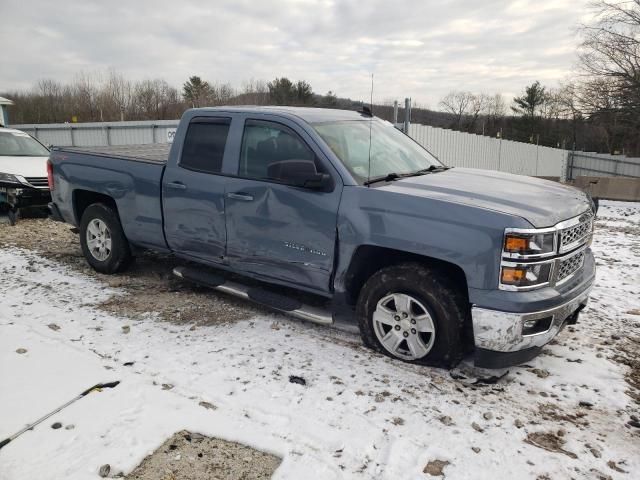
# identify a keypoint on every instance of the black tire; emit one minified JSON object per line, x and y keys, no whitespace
{"x":446,"y":305}
{"x":119,"y":256}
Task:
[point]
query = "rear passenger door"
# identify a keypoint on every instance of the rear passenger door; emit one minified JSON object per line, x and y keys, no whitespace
{"x":193,"y":191}
{"x":276,"y":230}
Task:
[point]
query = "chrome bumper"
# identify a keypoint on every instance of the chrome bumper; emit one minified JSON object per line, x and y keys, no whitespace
{"x":502,"y":331}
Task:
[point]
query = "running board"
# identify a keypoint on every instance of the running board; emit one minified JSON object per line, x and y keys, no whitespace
{"x":264,"y":297}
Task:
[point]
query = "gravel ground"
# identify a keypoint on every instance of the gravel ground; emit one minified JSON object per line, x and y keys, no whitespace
{"x":191,"y":456}
{"x":149,"y":283}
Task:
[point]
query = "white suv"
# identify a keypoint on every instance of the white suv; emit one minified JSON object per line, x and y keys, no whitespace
{"x":23,"y":173}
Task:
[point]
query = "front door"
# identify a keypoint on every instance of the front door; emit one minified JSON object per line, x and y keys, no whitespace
{"x":276,"y":230}
{"x":193,"y":192}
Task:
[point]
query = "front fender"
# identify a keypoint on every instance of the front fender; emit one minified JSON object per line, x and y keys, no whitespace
{"x":465,"y":236}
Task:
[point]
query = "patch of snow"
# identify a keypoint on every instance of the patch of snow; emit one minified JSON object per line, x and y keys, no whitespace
{"x":360,"y":415}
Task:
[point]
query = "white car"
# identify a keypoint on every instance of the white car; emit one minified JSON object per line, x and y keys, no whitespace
{"x":23,"y":173}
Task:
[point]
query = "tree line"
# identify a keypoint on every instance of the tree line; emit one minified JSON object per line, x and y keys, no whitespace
{"x":598,"y":110}
{"x":109,"y":96}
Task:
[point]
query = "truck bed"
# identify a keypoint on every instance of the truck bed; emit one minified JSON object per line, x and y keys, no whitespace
{"x":129,"y":174}
{"x":150,"y":152}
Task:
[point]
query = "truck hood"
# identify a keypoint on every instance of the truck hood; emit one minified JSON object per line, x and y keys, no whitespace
{"x":542,"y":202}
{"x":24,"y":166}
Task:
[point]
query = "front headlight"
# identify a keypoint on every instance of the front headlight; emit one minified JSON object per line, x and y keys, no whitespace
{"x":529,"y":244}
{"x":519,"y":276}
{"x":526,"y":258}
{"x":8,"y":178}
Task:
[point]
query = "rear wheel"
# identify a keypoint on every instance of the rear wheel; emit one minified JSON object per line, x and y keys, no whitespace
{"x":413,"y":313}
{"x":102,"y":239}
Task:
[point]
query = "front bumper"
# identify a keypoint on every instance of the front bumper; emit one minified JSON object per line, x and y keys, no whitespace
{"x":501,"y":338}
{"x":512,"y":327}
{"x":17,"y":198}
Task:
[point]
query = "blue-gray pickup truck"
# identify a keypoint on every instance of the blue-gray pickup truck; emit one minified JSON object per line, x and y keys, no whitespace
{"x":339,"y":218}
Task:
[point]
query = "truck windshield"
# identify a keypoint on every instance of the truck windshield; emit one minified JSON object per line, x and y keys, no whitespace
{"x":392,"y":152}
{"x":19,"y":144}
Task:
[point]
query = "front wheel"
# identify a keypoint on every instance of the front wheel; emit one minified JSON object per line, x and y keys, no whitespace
{"x":413,"y":313}
{"x":102,"y":239}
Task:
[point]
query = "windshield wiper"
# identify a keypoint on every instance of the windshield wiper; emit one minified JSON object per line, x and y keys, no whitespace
{"x":383,"y":178}
{"x":424,"y":171}
{"x":394,"y":176}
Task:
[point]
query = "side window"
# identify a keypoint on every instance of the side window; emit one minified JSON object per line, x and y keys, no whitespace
{"x":266,"y":144}
{"x":204,"y":144}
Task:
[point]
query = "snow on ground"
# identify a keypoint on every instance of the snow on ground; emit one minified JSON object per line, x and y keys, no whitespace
{"x":360,"y":415}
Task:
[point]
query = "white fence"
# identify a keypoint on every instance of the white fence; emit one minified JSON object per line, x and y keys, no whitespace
{"x":456,"y":149}
{"x":101,"y":133}
{"x":459,"y":149}
{"x":591,"y":164}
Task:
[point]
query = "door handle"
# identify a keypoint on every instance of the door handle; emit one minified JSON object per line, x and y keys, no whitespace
{"x":240,"y":196}
{"x":177,"y":185}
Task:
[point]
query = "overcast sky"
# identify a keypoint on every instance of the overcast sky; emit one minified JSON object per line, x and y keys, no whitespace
{"x":416,"y":48}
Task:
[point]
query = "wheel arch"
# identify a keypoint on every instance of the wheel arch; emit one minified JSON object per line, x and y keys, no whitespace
{"x":83,"y":198}
{"x":368,"y":259}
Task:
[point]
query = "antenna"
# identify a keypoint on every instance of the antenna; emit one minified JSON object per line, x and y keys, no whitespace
{"x":371,"y":101}
{"x":370,"y":126}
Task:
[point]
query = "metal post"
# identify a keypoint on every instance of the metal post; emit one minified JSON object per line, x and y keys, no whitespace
{"x":570,"y":166}
{"x":407,"y":115}
{"x":500,"y":152}
{"x":395,"y":112}
{"x":153,"y":133}
{"x":73,"y":140}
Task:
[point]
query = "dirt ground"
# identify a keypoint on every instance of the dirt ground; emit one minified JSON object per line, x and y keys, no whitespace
{"x":149,"y":282}
{"x":191,"y":456}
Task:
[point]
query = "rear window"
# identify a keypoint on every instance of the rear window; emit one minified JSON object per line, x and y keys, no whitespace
{"x":204,"y":144}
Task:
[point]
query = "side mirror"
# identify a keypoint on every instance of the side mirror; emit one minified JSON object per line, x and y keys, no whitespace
{"x":299,"y":173}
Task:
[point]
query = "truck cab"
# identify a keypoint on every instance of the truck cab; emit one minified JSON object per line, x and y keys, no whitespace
{"x":429,"y":262}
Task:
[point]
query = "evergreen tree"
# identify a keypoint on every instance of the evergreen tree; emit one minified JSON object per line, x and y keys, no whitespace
{"x":196,"y":91}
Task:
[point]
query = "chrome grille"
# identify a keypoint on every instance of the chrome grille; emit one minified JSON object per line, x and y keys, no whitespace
{"x":38,"y":182}
{"x":569,"y":266}
{"x":576,"y":235}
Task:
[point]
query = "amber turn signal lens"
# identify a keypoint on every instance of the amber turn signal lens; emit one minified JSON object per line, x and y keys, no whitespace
{"x":516,"y":244}
{"x":512,"y":275}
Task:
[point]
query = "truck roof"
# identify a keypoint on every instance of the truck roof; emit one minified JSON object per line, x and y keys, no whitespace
{"x":308,"y":114}
{"x":159,"y":152}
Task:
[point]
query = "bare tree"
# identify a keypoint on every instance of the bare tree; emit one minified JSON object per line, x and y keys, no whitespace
{"x":495,"y":111}
{"x":477,"y":106}
{"x":86,"y":93}
{"x":610,"y":61}
{"x":611,"y":46}
{"x":458,"y":104}
{"x":567,"y":98}
{"x":254,"y":92}
{"x":119,"y":89}
{"x":52,"y":100}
